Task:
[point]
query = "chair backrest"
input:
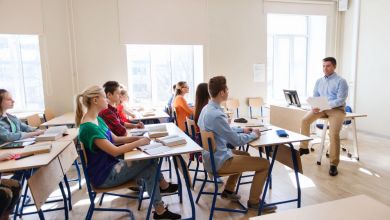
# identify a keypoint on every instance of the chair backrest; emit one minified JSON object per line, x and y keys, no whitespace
{"x":232,"y":103}
{"x":175,"y":117}
{"x":34,"y":120}
{"x":191,"y":128}
{"x":208,"y":140}
{"x":349,"y":110}
{"x":255,"y":102}
{"x":48,"y":114}
{"x":84,"y":164}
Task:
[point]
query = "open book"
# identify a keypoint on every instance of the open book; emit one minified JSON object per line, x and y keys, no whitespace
{"x":156,"y":131}
{"x":154,"y":148}
{"x":319,"y":102}
{"x":148,"y":113}
{"x":52,"y":133}
{"x":171,"y":140}
{"x":138,"y":131}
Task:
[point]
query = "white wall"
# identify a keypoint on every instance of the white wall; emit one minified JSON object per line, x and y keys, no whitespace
{"x":373,"y":71}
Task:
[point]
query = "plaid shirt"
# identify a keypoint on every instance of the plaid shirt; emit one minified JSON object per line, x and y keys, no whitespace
{"x":111,"y":117}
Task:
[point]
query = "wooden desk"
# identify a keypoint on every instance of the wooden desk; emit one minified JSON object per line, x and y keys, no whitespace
{"x":359,"y":207}
{"x":24,"y":115}
{"x":189,"y":147}
{"x":52,"y":169}
{"x":291,"y":118}
{"x":65,"y":119}
{"x":269,"y":139}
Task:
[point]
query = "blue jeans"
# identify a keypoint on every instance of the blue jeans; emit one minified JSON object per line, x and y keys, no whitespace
{"x":141,"y":170}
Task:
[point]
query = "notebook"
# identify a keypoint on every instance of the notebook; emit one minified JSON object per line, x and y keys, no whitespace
{"x":17,"y":144}
{"x":36,"y":149}
{"x":52,"y":133}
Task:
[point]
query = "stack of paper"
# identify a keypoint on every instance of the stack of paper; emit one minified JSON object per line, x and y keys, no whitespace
{"x":171,"y":140}
{"x":319,"y":102}
{"x":52,"y":134}
{"x":156,"y":131}
{"x":148,"y":114}
{"x":138,"y":131}
{"x":154,"y":148}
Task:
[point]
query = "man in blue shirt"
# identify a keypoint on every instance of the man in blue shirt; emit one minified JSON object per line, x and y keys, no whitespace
{"x":335,"y":88}
{"x":212,"y":118}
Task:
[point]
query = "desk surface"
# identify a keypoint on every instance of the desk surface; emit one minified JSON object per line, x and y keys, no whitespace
{"x":24,"y":115}
{"x":189,"y":147}
{"x":157,"y":114}
{"x":251,"y":123}
{"x":65,"y":119}
{"x":359,"y":207}
{"x":33,"y":161}
{"x":269,"y":138}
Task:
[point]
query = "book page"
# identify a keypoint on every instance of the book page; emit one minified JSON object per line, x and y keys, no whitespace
{"x":319,"y":102}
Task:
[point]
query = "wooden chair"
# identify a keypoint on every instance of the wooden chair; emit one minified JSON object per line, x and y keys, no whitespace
{"x":34,"y":120}
{"x":256,"y":102}
{"x":208,"y":143}
{"x":93,"y":191}
{"x":48,"y":114}
{"x":233,"y":104}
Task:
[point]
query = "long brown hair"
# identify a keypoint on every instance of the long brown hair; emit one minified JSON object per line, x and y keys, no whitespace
{"x":87,"y":96}
{"x":202,"y":97}
{"x":2,"y":94}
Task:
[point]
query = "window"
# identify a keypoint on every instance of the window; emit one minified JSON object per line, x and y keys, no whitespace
{"x":295,"y":49}
{"x":153,"y":69}
{"x":20,"y":71}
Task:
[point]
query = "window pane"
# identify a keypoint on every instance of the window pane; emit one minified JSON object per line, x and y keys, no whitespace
{"x":298,"y":79}
{"x":153,"y":69}
{"x":281,"y":67}
{"x":286,"y":24}
{"x":20,"y":71}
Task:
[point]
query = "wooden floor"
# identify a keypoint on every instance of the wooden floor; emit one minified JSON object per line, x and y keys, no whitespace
{"x":370,"y":176}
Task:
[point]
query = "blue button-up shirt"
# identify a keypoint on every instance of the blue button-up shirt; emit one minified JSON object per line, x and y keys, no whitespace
{"x":6,"y":134}
{"x":212,"y":118}
{"x":334,"y":87}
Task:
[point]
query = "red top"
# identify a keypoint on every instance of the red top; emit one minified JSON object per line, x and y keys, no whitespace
{"x":121,"y":113}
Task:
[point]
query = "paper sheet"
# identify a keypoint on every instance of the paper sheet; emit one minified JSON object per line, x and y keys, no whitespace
{"x":319,"y":102}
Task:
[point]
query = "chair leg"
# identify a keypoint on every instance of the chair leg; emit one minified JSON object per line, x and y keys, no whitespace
{"x":170,"y":167}
{"x":196,"y":171}
{"x":101,"y":199}
{"x":76,"y":164}
{"x":202,"y":187}
{"x":214,"y":198}
{"x":141,"y":195}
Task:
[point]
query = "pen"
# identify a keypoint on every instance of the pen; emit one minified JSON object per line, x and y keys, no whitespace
{"x":24,"y":157}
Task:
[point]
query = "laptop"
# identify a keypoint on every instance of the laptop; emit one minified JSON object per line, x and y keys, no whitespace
{"x":14,"y":145}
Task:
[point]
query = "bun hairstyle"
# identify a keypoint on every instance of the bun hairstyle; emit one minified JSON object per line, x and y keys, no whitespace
{"x":179,"y":86}
{"x":85,"y":98}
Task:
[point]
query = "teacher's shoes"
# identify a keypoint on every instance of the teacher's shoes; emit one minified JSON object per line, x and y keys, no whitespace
{"x":303,"y":151}
{"x":266,"y":209}
{"x":333,"y":170}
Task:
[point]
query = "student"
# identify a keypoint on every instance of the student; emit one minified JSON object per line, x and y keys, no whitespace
{"x":11,"y":128}
{"x":105,"y":170}
{"x":123,"y":109}
{"x":110,"y":115}
{"x":202,"y":97}
{"x":182,"y":109}
{"x":212,"y":118}
{"x":335,"y":89}
{"x":9,"y":192}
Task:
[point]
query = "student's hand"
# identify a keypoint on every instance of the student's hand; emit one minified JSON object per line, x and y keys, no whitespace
{"x":316,"y":110}
{"x":257,"y":132}
{"x":247,"y":130}
{"x":6,"y":156}
{"x":140,"y":125}
{"x":144,"y":141}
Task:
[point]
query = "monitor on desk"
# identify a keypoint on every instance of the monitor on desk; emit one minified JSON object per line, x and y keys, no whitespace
{"x":292,"y":97}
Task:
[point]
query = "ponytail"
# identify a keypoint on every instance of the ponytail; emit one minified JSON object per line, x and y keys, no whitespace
{"x":79,"y":110}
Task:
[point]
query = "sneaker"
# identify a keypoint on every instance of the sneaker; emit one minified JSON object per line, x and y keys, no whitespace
{"x":135,"y":188}
{"x":333,"y":170}
{"x":230,"y":196}
{"x":172,"y":188}
{"x":166,"y":215}
{"x":255,"y":207}
{"x":303,"y":151}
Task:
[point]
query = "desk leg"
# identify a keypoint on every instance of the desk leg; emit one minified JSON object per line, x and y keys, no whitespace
{"x":156,"y":184}
{"x":295,"y":163}
{"x":65,"y":200}
{"x":188,"y":184}
{"x":355,"y":143}
{"x":322,"y":145}
{"x":268,"y":180}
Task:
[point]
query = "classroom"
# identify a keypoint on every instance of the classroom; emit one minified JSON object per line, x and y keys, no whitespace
{"x":194,"y":109}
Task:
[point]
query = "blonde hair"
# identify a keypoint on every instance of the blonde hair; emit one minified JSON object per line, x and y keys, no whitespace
{"x":87,"y":96}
